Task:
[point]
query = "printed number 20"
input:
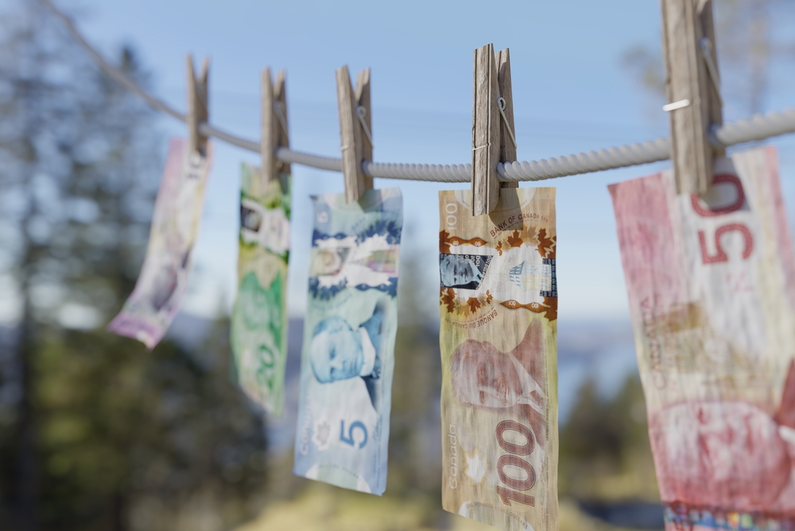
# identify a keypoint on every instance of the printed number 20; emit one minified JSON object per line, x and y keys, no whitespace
{"x":349,"y":438}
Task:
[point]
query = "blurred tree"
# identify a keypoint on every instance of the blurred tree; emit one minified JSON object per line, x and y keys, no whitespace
{"x":414,"y":436}
{"x":150,"y":441}
{"x":604,"y":446}
{"x":751,"y":35}
{"x":97,"y":433}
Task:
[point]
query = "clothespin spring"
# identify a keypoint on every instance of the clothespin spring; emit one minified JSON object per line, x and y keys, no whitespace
{"x":277,"y":108}
{"x":502,"y":104}
{"x":706,"y":50}
{"x":361,"y":112}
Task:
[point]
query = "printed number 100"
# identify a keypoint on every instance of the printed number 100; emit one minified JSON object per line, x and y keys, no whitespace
{"x":514,"y":458}
{"x":451,"y":209}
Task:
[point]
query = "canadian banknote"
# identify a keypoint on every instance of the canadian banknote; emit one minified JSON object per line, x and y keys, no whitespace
{"x":259,"y":319}
{"x":498,"y":343}
{"x":349,"y":338}
{"x":158,"y":293}
{"x":711,"y":284}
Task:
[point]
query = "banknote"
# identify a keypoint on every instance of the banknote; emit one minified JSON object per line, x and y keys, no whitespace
{"x":711,"y":284}
{"x":498,"y":339}
{"x":349,"y":339}
{"x":158,"y":293}
{"x":259,"y":319}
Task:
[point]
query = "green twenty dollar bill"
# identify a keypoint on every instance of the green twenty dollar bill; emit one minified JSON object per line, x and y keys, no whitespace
{"x":259,"y":319}
{"x":498,"y":343}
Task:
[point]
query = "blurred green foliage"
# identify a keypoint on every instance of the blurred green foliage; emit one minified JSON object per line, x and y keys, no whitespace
{"x":604,"y":446}
{"x":97,"y":433}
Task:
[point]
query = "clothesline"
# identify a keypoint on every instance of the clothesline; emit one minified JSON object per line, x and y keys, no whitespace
{"x":757,"y":127}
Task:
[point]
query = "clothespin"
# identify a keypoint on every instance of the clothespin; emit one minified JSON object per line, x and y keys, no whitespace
{"x":355,"y":131}
{"x":692,"y":88}
{"x":274,"y":125}
{"x":493,"y":138}
{"x":197,"y":106}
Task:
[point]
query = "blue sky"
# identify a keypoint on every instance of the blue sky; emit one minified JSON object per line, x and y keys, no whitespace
{"x":571,"y":93}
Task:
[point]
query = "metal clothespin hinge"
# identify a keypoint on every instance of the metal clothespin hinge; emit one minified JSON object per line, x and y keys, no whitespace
{"x":277,"y":108}
{"x":706,"y":50}
{"x":501,"y":103}
{"x":361,"y":112}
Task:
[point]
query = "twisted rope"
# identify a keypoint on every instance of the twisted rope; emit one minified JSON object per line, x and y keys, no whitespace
{"x":756,"y":127}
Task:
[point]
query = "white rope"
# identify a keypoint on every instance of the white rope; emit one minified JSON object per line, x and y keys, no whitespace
{"x":757,"y":127}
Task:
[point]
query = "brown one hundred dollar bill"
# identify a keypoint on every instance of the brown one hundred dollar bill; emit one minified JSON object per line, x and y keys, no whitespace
{"x":498,"y":304}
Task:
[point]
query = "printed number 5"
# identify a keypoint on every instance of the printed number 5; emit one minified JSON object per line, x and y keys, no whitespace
{"x":349,"y":438}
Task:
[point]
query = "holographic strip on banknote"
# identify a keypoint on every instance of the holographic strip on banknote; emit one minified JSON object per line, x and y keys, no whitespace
{"x":498,"y":338}
{"x":349,"y":340}
{"x":711,"y":284}
{"x":259,"y":319}
{"x":158,"y":293}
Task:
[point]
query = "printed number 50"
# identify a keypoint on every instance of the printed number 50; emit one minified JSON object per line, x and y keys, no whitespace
{"x":748,"y":239}
{"x":349,"y":438}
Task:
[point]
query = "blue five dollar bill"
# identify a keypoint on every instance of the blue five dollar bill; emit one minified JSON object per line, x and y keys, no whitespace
{"x":349,"y":338}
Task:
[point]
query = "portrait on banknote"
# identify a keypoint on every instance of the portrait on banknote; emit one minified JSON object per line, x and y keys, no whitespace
{"x":338,"y":351}
{"x":463,"y":271}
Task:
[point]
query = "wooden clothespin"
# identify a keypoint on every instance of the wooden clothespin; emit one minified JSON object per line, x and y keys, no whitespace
{"x":692,"y":88}
{"x":274,"y":125}
{"x":198,"y":105}
{"x":493,"y":138}
{"x":355,"y":131}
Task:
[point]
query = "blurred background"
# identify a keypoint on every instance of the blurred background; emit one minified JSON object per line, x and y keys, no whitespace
{"x":96,"y":433}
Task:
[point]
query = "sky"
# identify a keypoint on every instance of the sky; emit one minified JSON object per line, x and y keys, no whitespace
{"x":571,"y":93}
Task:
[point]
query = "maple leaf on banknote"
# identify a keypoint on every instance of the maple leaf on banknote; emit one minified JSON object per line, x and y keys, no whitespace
{"x":551,"y":312}
{"x":473,"y":304}
{"x":489,"y":297}
{"x":499,"y":248}
{"x":444,"y":242}
{"x":514,"y":240}
{"x":448,"y":298}
{"x":546,"y":245}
